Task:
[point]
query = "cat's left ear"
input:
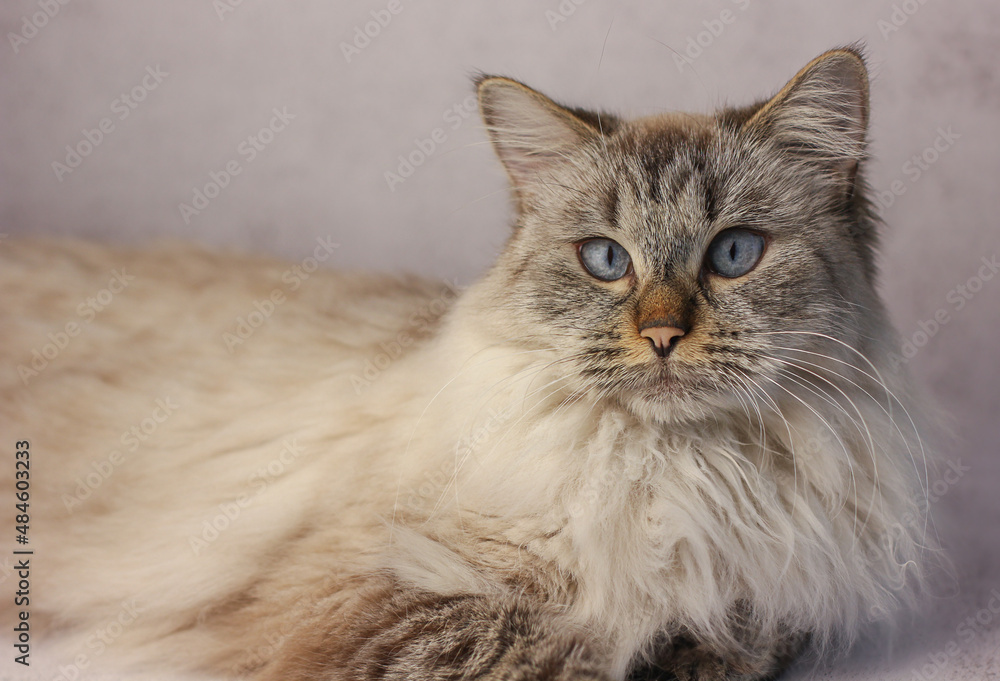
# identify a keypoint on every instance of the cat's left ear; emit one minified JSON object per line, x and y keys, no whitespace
{"x":530,"y":133}
{"x":822,"y":113}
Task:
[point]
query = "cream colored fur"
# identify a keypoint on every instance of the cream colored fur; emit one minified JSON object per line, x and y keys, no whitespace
{"x":465,"y":465}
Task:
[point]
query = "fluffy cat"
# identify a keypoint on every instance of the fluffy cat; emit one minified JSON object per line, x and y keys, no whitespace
{"x":661,"y":436}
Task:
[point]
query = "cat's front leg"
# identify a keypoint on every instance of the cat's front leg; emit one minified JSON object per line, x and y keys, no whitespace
{"x":394,"y":633}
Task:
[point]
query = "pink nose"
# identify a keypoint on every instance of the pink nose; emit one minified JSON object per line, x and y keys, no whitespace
{"x":663,"y":338}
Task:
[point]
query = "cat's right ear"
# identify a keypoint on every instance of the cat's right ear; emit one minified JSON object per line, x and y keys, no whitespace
{"x":822,"y":113}
{"x":530,"y":133}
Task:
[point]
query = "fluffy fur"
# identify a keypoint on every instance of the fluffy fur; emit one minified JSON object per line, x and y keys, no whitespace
{"x":519,"y":488}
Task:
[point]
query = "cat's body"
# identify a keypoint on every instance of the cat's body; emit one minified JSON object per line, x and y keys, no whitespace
{"x":356,"y":488}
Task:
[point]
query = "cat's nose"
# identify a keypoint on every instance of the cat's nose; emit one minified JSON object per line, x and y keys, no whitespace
{"x":663,"y":338}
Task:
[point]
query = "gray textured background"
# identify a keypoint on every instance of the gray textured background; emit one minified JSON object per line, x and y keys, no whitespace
{"x":229,"y":64}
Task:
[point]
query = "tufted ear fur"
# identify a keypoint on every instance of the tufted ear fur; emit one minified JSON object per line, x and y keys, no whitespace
{"x":530,"y":133}
{"x":822,"y":113}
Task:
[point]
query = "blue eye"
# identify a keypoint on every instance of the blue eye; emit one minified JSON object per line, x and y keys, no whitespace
{"x":605,"y":259}
{"x":734,"y":252}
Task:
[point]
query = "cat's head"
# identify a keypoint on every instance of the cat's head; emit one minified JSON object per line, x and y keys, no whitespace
{"x":680,"y":262}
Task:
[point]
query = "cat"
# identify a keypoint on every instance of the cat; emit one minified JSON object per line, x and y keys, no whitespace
{"x":661,"y":437}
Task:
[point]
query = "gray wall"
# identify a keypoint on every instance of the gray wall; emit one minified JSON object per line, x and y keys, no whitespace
{"x":223,"y":72}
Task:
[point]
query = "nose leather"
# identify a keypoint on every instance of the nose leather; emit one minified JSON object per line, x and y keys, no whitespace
{"x":663,"y":338}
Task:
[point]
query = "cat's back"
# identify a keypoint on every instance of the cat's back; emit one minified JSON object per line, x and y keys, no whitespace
{"x":95,"y":340}
{"x":155,"y":384}
{"x":67,"y":303}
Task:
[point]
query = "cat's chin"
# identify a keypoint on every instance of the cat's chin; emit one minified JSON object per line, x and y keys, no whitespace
{"x":669,"y":399}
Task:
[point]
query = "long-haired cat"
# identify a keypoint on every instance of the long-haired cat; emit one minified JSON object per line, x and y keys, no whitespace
{"x":661,"y":436}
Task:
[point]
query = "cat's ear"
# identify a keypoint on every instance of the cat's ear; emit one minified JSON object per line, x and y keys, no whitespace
{"x":530,"y":133}
{"x":822,"y":113}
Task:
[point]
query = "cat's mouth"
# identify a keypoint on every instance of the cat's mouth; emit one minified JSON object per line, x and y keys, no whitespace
{"x":662,"y":380}
{"x":670,"y":385}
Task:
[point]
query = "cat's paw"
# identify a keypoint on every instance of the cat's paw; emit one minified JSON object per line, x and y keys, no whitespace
{"x":698,"y":664}
{"x":695,"y":665}
{"x":686,"y":660}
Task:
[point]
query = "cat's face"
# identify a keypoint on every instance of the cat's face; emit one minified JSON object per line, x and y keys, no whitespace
{"x":681,"y":263}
